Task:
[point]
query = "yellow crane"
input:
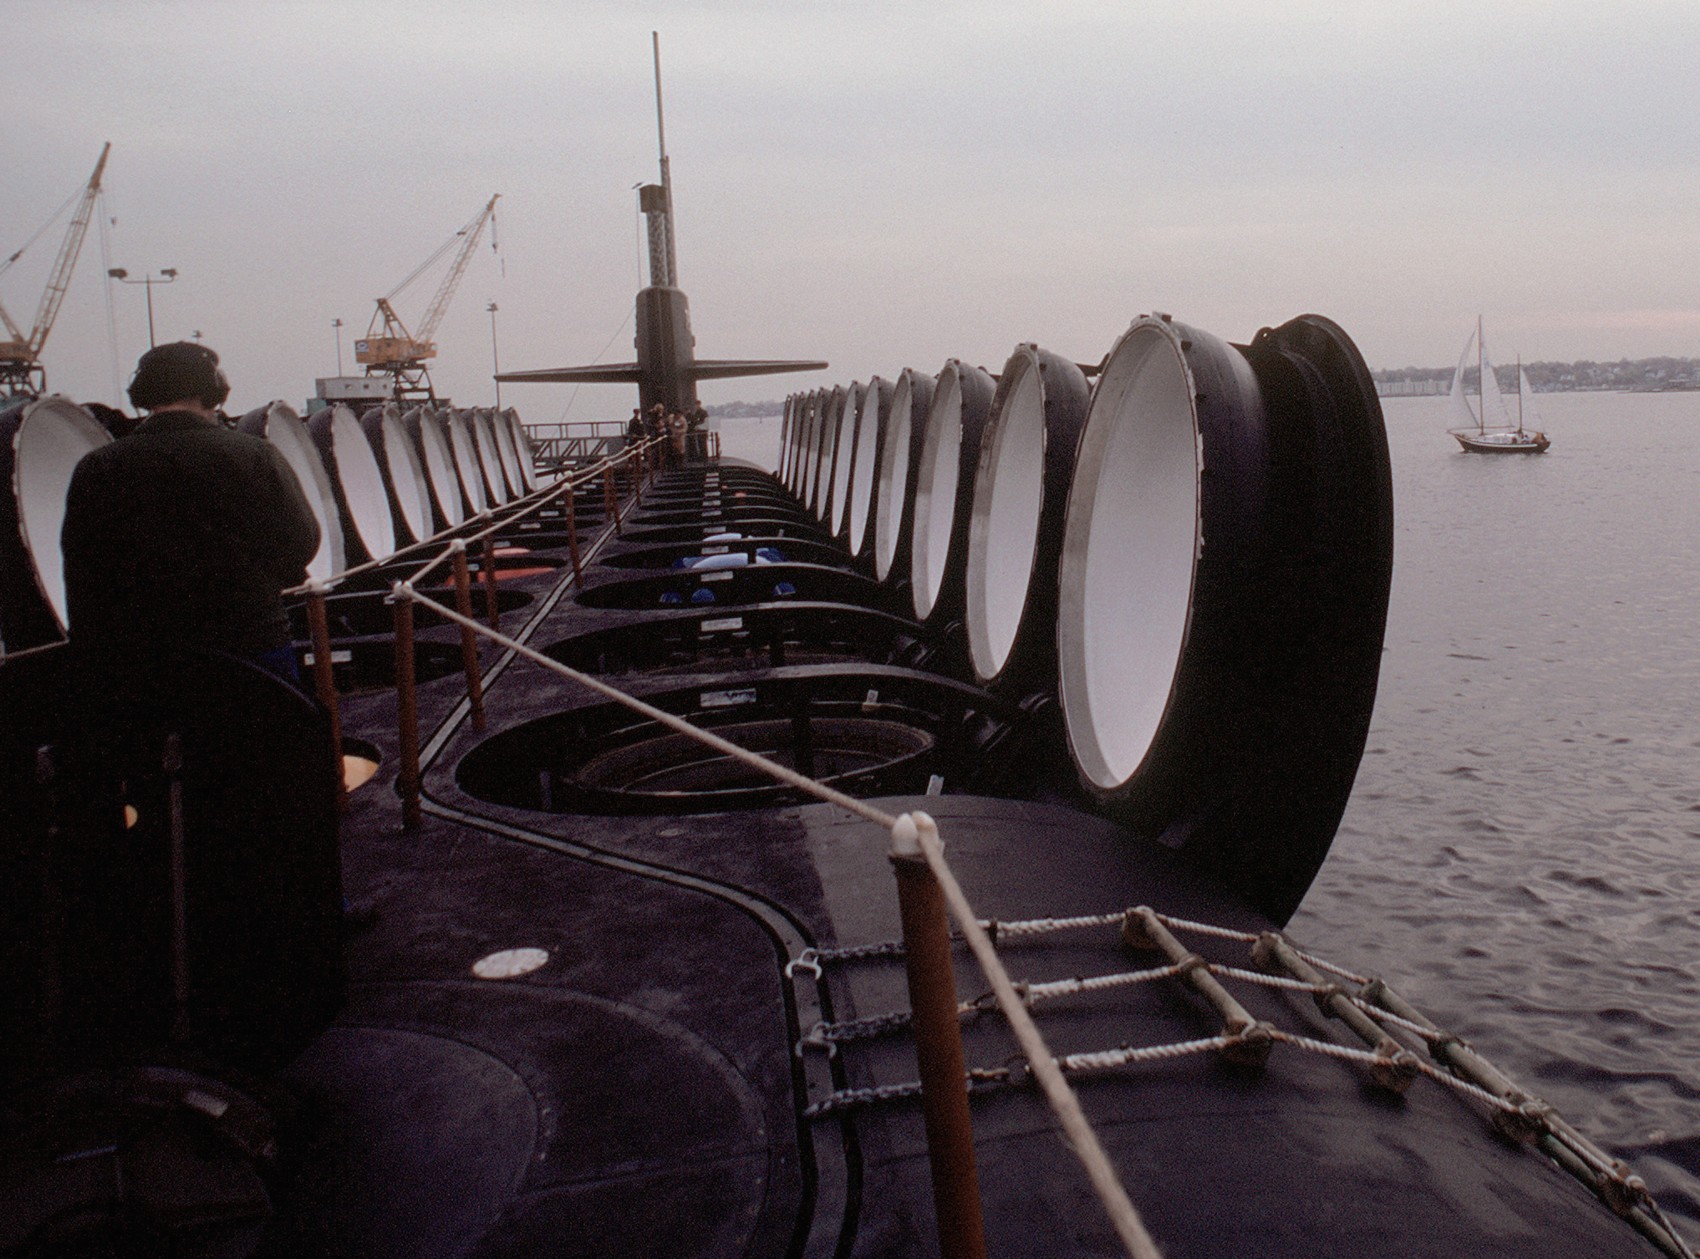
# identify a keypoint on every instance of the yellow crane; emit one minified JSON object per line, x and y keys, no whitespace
{"x":388,"y":348}
{"x":20,"y":352}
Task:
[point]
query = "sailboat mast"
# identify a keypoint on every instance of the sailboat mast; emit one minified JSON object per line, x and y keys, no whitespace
{"x":1520,"y":379}
{"x":1481,"y":379}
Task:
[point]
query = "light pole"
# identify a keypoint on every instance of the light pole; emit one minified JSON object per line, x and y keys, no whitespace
{"x":167,"y":275}
{"x":495,"y":357}
{"x":337,"y":324}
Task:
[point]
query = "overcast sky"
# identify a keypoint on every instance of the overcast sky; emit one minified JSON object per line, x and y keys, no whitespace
{"x":878,"y":184}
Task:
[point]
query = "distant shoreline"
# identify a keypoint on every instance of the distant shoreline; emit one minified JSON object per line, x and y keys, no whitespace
{"x":1646,"y":375}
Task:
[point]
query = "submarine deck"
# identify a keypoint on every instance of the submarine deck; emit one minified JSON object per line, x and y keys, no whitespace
{"x":643,"y":1091}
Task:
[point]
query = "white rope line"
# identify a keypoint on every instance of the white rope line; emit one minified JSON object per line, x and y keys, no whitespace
{"x":1250,"y":937}
{"x":1363,"y":981}
{"x":1096,"y":983}
{"x":1109,"y":1059}
{"x":1263,"y":980}
{"x":1041,"y":926}
{"x":1206,"y":929}
{"x":1427,"y":1034}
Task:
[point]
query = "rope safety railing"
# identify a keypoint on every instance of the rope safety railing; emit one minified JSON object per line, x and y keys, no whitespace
{"x":452,"y":545}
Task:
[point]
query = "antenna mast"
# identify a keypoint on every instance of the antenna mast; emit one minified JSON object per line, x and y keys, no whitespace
{"x":656,"y":200}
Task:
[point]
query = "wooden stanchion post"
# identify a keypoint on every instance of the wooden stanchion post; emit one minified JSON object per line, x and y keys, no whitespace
{"x":610,"y":499}
{"x":468,"y":640}
{"x":324,"y":680}
{"x":492,"y":606}
{"x":938,"y":1047}
{"x":407,"y":709}
{"x":572,"y":534}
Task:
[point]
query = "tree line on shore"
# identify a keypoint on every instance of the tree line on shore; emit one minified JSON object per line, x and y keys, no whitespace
{"x":1640,"y":375}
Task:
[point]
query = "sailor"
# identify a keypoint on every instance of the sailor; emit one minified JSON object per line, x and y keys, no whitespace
{"x":696,"y":436}
{"x":186,"y":532}
{"x":676,"y":425}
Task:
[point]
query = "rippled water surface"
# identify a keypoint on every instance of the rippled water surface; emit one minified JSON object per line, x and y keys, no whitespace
{"x":1521,"y":856}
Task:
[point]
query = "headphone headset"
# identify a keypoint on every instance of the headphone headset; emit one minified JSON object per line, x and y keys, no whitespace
{"x":178,"y":370}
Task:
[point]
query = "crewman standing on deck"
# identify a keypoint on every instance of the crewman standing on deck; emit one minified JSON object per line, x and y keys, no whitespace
{"x":676,"y":425}
{"x":186,"y":532}
{"x":698,"y":435}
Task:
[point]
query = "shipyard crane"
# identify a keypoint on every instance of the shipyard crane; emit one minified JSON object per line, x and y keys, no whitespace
{"x":389,"y":348}
{"x":20,"y":353}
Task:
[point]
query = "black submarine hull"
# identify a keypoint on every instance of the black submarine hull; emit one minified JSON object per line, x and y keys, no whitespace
{"x":597,"y":1001}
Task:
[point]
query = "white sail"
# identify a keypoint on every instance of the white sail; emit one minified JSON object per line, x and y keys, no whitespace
{"x":1528,"y":417}
{"x":1495,"y":414}
{"x":1462,"y":416}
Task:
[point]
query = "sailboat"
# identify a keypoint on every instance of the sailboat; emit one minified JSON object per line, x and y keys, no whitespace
{"x":1489,"y":428}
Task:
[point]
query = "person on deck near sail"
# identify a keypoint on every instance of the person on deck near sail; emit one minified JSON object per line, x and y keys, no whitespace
{"x":697,"y":439}
{"x":676,"y":424}
{"x":186,"y":532}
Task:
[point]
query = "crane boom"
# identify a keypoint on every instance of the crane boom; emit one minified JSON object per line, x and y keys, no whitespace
{"x":389,"y":347}
{"x":20,"y":357}
{"x":60,"y":280}
{"x":473,"y":231}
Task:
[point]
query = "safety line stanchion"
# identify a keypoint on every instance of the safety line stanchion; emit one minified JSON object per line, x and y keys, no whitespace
{"x":324,"y":680}
{"x":492,"y":610}
{"x":572,"y":538}
{"x":468,"y":640}
{"x":938,"y":1047}
{"x":610,"y":500}
{"x":407,"y":710}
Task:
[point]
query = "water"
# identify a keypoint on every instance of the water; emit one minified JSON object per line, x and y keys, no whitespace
{"x":1521,"y":855}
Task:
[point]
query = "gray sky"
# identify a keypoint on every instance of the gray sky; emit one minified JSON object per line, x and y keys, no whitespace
{"x":879,"y":184}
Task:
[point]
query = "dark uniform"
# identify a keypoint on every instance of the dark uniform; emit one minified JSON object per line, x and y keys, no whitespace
{"x":185,"y":532}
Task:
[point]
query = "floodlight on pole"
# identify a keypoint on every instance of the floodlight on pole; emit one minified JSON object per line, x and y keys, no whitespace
{"x":166,"y":276}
